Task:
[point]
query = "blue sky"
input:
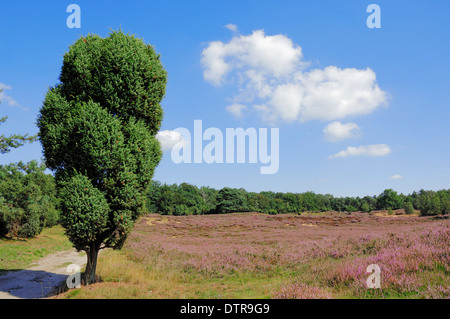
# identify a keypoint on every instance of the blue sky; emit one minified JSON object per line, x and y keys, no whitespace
{"x":273,"y":60}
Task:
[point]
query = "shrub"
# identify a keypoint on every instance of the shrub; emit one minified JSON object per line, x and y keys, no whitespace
{"x":409,"y":209}
{"x":27,"y":200}
{"x":365,"y":208}
{"x":429,"y":205}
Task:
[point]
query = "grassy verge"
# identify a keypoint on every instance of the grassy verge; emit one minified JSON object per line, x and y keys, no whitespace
{"x":21,"y":253}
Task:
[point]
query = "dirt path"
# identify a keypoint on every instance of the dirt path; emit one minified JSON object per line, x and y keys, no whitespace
{"x":41,"y":279}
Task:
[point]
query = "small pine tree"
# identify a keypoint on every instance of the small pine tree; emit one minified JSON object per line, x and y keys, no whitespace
{"x":409,"y":208}
{"x":365,"y":208}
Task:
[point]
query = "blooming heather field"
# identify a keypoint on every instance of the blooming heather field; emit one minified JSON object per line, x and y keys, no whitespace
{"x":252,"y":255}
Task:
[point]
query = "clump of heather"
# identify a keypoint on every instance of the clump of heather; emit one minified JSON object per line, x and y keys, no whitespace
{"x":299,"y":290}
{"x":407,"y":263}
{"x":436,"y":292}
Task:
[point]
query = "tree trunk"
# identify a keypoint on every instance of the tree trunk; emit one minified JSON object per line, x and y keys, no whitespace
{"x":91,"y":266}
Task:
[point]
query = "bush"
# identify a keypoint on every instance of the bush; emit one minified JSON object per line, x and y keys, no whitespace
{"x":350,"y":209}
{"x":27,"y":200}
{"x":409,"y":209}
{"x":429,"y":205}
{"x":365,"y":208}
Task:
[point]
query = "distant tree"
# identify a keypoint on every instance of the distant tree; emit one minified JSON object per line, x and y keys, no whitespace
{"x":230,"y":200}
{"x":351,"y":209}
{"x":292,"y":204}
{"x":310,"y":202}
{"x":409,"y":209}
{"x":365,"y":208}
{"x":168,"y":200}
{"x":429,"y":203}
{"x":208,"y":195}
{"x":153,"y":196}
{"x":192,"y":198}
{"x":338,"y":204}
{"x":97,"y":128}
{"x":444,"y":198}
{"x":389,"y":199}
{"x":370,"y":200}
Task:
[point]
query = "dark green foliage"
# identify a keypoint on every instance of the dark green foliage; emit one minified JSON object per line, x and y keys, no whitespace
{"x":409,"y":209}
{"x":188,"y":200}
{"x":97,"y":128}
{"x":120,"y":72}
{"x":184,"y":199}
{"x":351,"y":209}
{"x":365,"y":208}
{"x":86,"y":212}
{"x":389,"y":199}
{"x":434,"y":203}
{"x":230,"y":200}
{"x":27,"y":200}
{"x":209,"y":199}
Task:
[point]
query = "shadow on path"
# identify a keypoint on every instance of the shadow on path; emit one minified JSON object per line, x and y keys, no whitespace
{"x":29,"y":283}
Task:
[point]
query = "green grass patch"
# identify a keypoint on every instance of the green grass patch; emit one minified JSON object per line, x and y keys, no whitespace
{"x":16,"y":254}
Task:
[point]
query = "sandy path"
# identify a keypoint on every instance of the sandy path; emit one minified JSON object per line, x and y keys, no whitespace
{"x":40,"y":279}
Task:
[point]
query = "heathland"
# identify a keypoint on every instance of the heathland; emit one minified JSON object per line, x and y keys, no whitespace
{"x":255,"y":255}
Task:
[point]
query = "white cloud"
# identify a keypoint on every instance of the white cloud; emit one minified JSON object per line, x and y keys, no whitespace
{"x":168,"y":139}
{"x":396,"y":176}
{"x":336,"y":131}
{"x":232,"y":27}
{"x":236,"y":109}
{"x":366,"y":150}
{"x":269,"y":72}
{"x":264,"y":56}
{"x":8,"y":99}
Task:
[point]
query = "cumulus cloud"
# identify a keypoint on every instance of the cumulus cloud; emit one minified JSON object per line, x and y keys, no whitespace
{"x":168,"y":139}
{"x":257,"y":57}
{"x":236,"y":109}
{"x":271,"y":76}
{"x":396,"y":176}
{"x":336,"y":131}
{"x":365,"y":150}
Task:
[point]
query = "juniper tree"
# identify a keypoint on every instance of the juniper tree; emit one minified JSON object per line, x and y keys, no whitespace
{"x":97,"y":127}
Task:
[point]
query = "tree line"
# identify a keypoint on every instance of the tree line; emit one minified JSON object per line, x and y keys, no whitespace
{"x":29,"y":200}
{"x":186,"y":199}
